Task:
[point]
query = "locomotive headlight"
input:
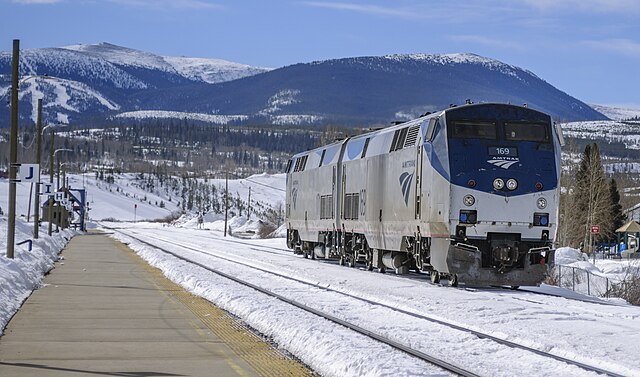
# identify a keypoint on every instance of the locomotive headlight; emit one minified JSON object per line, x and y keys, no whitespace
{"x":541,"y":203}
{"x":512,"y":184}
{"x":469,"y":200}
{"x":498,"y":184}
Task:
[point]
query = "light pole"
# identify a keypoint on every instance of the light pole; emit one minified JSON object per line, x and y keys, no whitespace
{"x":65,"y":182}
{"x":40,"y":132}
{"x":36,"y":215}
{"x":13,"y":150}
{"x":58,"y":165}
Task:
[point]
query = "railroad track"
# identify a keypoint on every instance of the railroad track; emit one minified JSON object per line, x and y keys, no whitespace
{"x":402,"y":347}
{"x":412,"y":275}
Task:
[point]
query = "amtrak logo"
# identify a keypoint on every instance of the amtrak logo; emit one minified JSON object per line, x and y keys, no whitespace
{"x":294,"y":196}
{"x":405,"y":185}
{"x":505,"y":164}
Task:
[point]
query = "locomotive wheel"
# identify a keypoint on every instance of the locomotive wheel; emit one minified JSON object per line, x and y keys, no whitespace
{"x":453,"y":280}
{"x":368,"y":260}
{"x":435,"y":277}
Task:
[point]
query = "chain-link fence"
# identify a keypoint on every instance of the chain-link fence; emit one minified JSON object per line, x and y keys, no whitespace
{"x":582,"y":281}
{"x":586,"y":282}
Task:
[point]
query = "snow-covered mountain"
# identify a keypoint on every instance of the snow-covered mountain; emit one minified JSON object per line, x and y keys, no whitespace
{"x":86,"y":81}
{"x":372,"y":90}
{"x":198,"y":69}
{"x":89,"y":83}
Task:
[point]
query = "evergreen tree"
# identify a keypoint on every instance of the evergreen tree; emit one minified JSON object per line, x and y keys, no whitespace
{"x":591,"y":199}
{"x":618,"y":218}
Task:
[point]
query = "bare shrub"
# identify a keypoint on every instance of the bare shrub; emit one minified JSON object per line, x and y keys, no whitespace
{"x":266,"y":230}
{"x":169,"y":218}
{"x":629,"y":287}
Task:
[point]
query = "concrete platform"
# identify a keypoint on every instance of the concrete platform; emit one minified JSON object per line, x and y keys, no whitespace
{"x":105,"y":312}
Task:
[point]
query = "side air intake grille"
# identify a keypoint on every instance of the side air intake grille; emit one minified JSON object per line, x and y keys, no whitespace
{"x":412,"y":136}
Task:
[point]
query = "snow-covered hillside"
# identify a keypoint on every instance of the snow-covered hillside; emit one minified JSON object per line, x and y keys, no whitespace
{"x":609,"y":131}
{"x":128,"y":197}
{"x":198,"y":69}
{"x":465,"y":58}
{"x":212,"y":70}
{"x":618,"y":113}
{"x":162,"y":114}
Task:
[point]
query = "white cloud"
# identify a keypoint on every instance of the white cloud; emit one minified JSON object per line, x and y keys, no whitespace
{"x":621,"y":46}
{"x":592,"y":6}
{"x":366,"y":8}
{"x":172,"y":4}
{"x":36,"y":1}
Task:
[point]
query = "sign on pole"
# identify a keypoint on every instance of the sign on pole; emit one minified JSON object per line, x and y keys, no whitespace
{"x":595,"y":229}
{"x":47,"y":189}
{"x":29,"y":173}
{"x":58,"y":196}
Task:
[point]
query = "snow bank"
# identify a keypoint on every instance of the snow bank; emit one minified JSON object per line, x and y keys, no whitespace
{"x":21,"y":275}
{"x":568,"y":255}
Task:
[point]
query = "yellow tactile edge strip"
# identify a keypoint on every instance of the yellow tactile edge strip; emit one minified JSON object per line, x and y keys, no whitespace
{"x":260,"y":355}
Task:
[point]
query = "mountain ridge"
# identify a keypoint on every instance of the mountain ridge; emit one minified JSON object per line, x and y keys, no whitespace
{"x":105,"y":81}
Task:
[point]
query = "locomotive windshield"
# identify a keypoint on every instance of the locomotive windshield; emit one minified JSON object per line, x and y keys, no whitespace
{"x":474,"y":130}
{"x":536,"y":132}
{"x":508,"y":131}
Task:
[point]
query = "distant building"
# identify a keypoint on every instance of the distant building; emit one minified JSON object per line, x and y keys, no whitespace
{"x":61,"y":216}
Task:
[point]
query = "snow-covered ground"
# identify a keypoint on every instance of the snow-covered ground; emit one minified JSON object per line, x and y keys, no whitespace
{"x":593,"y":333}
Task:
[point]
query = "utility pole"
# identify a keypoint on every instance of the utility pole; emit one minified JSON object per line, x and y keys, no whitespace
{"x":36,"y":214}
{"x":249,"y":205}
{"x":13,"y":150}
{"x":51,"y":156}
{"x":226,"y":200}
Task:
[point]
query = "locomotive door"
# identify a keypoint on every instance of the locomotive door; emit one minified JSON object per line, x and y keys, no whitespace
{"x":418,"y":201}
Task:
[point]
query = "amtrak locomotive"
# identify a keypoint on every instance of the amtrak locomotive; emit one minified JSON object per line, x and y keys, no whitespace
{"x":467,"y":194}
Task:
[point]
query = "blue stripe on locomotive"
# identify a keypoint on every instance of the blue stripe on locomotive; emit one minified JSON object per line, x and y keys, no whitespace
{"x":468,"y":158}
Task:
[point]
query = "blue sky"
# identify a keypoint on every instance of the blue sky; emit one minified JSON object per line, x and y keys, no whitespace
{"x":587,"y":48}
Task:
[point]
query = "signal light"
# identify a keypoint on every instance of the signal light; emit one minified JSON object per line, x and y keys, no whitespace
{"x":468,"y":216}
{"x":540,"y":219}
{"x":538,"y":186}
{"x":471,"y":183}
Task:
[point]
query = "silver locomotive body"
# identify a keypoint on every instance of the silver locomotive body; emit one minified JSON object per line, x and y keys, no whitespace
{"x":469,"y":193}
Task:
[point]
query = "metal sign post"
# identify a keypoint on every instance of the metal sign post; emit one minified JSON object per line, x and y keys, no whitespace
{"x":595,"y":229}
